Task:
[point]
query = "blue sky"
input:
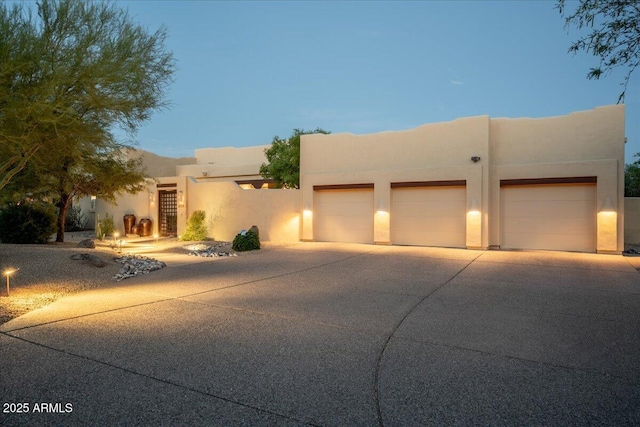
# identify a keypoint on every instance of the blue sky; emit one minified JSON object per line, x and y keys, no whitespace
{"x":248,"y":71}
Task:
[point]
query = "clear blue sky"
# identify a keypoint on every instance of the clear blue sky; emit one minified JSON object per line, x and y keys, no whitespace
{"x":250,"y":70}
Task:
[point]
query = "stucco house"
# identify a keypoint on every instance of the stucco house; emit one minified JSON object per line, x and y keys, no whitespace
{"x":552,"y":183}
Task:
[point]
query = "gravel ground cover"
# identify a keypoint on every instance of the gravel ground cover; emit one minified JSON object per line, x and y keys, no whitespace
{"x":47,"y":272}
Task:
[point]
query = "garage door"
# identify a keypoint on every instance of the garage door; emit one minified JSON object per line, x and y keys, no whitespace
{"x":429,"y":216}
{"x":554,"y":217}
{"x":344,"y":216}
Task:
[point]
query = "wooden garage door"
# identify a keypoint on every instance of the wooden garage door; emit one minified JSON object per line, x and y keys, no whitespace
{"x":429,"y":216}
{"x":344,"y":216}
{"x":553,"y":216}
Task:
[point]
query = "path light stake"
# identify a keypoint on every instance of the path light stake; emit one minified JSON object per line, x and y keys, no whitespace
{"x":7,"y":273}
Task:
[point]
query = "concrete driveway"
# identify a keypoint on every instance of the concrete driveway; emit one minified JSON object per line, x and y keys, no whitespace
{"x":337,"y":334}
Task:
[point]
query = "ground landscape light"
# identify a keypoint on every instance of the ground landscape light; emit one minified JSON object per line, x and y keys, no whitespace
{"x":7,"y":273}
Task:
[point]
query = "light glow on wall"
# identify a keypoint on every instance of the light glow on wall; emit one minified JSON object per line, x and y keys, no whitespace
{"x":607,"y":227}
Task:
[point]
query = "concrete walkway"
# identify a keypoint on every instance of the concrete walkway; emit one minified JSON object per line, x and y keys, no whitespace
{"x":337,"y":334}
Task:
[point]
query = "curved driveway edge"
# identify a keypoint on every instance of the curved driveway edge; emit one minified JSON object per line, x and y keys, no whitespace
{"x":337,"y":334}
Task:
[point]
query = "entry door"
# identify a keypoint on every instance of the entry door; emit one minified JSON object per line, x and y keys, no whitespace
{"x":168,"y":213}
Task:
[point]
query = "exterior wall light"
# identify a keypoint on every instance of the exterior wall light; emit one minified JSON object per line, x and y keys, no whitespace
{"x":474,"y":208}
{"x":152,"y":197}
{"x":7,"y":273}
{"x":475,"y":159}
{"x":180,"y":198}
{"x":307,"y":209}
{"x":607,"y":206}
{"x":607,"y":226}
{"x":474,"y":225}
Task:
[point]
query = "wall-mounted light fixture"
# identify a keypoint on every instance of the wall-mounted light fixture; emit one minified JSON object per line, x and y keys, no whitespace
{"x":381,"y":208}
{"x":307,"y":209}
{"x":180,"y":198}
{"x":475,"y":159}
{"x":607,"y":206}
{"x":152,"y":197}
{"x":474,"y":207}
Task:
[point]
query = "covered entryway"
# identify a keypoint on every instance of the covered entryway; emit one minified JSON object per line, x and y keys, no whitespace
{"x":343,"y":213}
{"x":168,"y":213}
{"x":553,"y":214}
{"x":429,"y":213}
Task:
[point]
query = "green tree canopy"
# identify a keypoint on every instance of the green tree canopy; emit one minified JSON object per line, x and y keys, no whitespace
{"x":284,"y":159}
{"x":71,"y":74}
{"x":614,"y":35}
{"x":632,"y":178}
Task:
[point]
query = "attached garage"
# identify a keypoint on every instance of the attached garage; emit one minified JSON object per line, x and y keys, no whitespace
{"x":553,"y":214}
{"x":429,"y":213}
{"x":344,"y":213}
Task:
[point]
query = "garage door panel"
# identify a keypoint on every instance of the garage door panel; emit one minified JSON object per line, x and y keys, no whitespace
{"x":550,"y":209}
{"x":555,"y":217}
{"x":429,"y":216}
{"x":344,"y":216}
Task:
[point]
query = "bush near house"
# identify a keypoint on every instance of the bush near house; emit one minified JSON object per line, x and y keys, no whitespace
{"x":27,"y":222}
{"x":246,"y":241}
{"x":75,"y":220}
{"x":105,"y":227}
{"x":196,"y":227}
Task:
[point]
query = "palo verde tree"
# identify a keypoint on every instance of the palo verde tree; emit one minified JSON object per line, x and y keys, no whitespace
{"x":284,"y":159}
{"x":614,"y":35}
{"x":71,"y":73}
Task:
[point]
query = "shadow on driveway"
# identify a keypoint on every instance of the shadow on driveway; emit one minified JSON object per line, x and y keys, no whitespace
{"x":338,"y":334}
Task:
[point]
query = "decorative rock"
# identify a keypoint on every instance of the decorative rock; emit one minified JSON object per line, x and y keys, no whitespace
{"x":254,"y":228}
{"x":207,"y":251}
{"x":133,"y":265}
{"x":86,"y":243}
{"x":94,"y":260}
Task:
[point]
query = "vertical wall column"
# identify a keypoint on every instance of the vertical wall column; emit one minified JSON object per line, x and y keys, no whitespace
{"x":306,"y":227}
{"x":382,"y":213}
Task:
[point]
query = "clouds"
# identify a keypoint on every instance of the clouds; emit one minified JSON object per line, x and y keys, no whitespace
{"x":457,"y":82}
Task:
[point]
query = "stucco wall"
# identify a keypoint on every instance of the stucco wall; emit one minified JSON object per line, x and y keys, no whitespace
{"x":226,"y":162}
{"x":582,"y":144}
{"x":632,"y":220}
{"x":231,"y":209}
{"x":145,"y":204}
{"x":157,"y":166}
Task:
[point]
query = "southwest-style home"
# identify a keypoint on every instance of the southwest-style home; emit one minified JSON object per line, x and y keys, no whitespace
{"x":552,"y":183}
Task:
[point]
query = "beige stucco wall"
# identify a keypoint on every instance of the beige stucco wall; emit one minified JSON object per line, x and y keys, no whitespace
{"x":432,"y":152}
{"x":587,"y":143}
{"x":145,"y":204}
{"x":231,"y":209}
{"x":157,"y":166}
{"x":580,"y":144}
{"x":219,"y":164}
{"x":632,"y":220}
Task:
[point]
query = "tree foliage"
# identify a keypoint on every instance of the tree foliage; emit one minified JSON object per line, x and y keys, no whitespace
{"x":632,"y":178}
{"x":284,"y":159}
{"x":27,"y":222}
{"x":614,"y":35}
{"x":71,"y":73}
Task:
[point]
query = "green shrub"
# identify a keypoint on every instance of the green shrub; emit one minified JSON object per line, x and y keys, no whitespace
{"x":105,"y":226}
{"x":246,"y":242}
{"x":75,"y":219}
{"x":196,"y":228}
{"x":27,"y":222}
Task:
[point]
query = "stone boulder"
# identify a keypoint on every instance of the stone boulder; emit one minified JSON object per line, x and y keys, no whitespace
{"x":94,"y":260}
{"x":86,"y":243}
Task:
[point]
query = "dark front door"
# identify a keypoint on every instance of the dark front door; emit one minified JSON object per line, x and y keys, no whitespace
{"x":168,"y":213}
